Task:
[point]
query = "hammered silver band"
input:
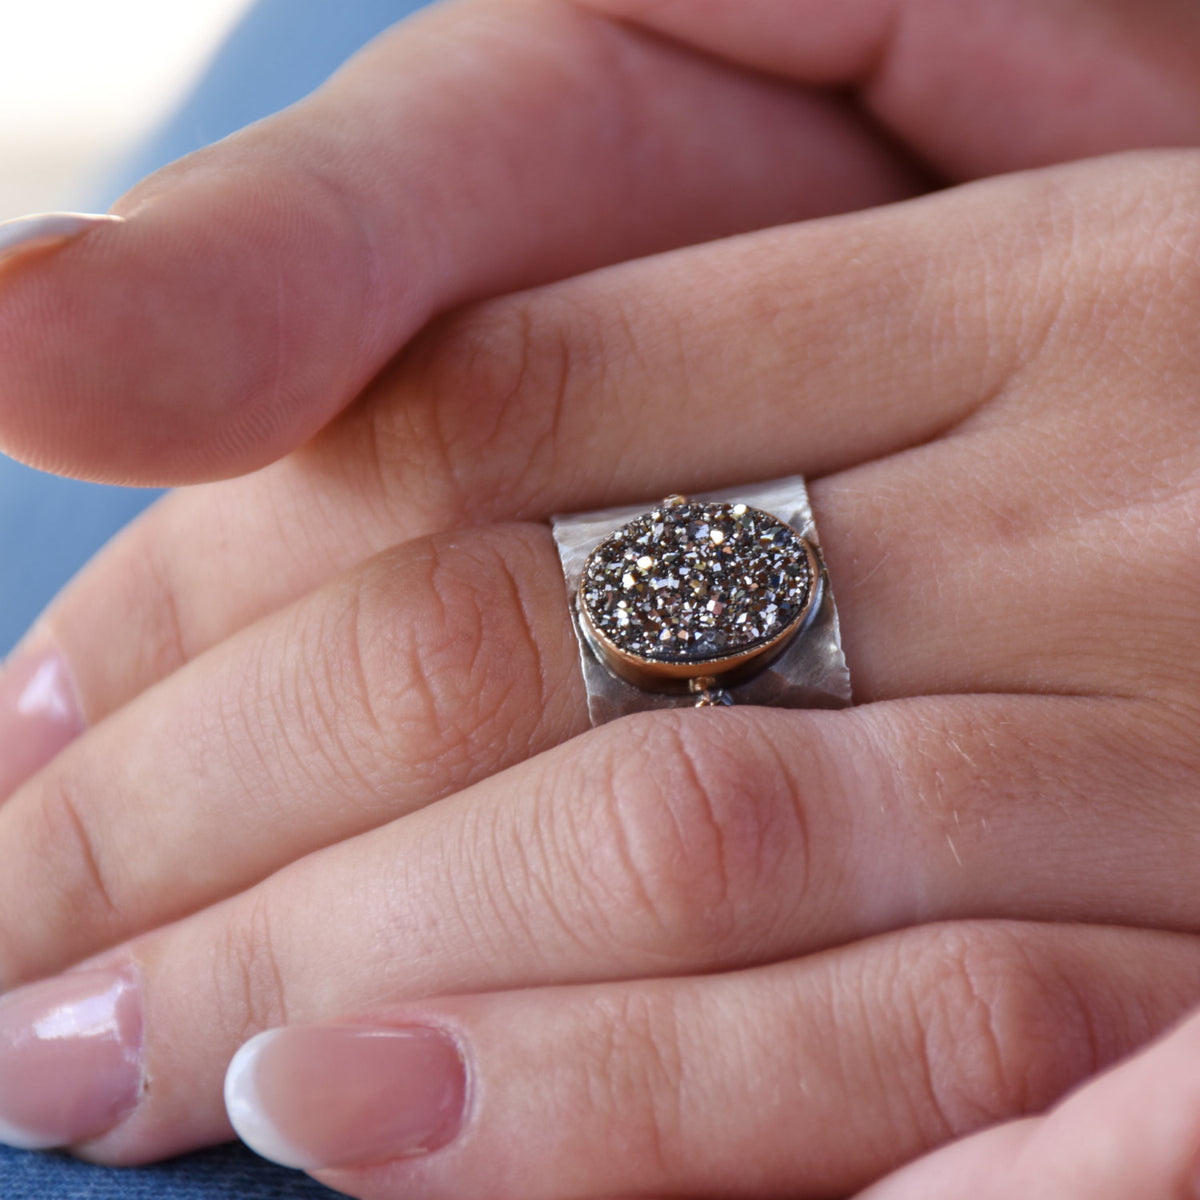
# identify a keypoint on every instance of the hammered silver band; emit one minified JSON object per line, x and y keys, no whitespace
{"x":808,"y":672}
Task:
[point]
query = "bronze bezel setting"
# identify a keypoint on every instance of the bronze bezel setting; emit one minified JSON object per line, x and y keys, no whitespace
{"x":697,"y":595}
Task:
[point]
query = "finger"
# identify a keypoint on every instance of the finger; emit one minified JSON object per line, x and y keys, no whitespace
{"x":976,"y":88}
{"x":299,"y":234}
{"x":447,"y":660}
{"x":650,"y":1062}
{"x":876,"y":1052}
{"x":897,"y":619}
{"x":1132,"y":1132}
{"x":542,"y":403}
{"x":571,"y":397}
{"x":435,"y":665}
{"x":43,"y":710}
{"x":259,"y":285}
{"x":202,"y":564}
{"x":671,"y":842}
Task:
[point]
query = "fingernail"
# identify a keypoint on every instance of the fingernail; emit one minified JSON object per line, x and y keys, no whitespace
{"x":321,"y":1096}
{"x":43,"y":230}
{"x":70,"y":1058}
{"x":39,"y":714}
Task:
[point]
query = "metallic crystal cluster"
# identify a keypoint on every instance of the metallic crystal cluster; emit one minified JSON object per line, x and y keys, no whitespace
{"x":690,"y":582}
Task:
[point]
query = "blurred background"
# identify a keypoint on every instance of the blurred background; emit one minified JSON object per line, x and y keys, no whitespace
{"x":94,"y":94}
{"x":84,"y":81}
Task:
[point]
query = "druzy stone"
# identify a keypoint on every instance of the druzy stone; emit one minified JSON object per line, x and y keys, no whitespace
{"x":694,"y":582}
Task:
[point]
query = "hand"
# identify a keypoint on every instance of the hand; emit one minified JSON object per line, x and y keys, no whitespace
{"x":366,"y":237}
{"x":1028,"y":752}
{"x":1132,"y":1132}
{"x":868,"y":799}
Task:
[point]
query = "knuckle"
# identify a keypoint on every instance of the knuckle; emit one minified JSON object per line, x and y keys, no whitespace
{"x":277,"y":720}
{"x":482,"y":661}
{"x":70,"y":859}
{"x":482,"y":396}
{"x":332,"y":705}
{"x":635,"y":1066}
{"x":70,"y":904}
{"x":695,"y":832}
{"x":1000,"y":1031}
{"x":248,"y":981}
{"x":429,"y":663}
{"x":64,"y":817}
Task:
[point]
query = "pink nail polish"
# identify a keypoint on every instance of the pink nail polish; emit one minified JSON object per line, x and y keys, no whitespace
{"x":39,"y":714}
{"x":26,"y":235}
{"x":70,"y":1058}
{"x":322,"y":1096}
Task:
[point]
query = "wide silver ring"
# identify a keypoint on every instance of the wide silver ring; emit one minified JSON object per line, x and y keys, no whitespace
{"x":710,"y":599}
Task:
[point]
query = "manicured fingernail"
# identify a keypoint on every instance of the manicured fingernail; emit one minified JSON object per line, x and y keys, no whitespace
{"x":39,"y":714}
{"x":43,"y":230}
{"x":322,"y":1096}
{"x":70,"y":1058}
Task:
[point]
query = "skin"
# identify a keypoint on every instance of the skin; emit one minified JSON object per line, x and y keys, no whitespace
{"x":993,"y":388}
{"x":1132,"y":1132}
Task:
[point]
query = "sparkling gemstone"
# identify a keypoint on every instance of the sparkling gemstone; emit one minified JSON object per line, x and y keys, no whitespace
{"x":694,"y":582}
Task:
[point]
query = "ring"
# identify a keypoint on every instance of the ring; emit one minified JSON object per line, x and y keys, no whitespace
{"x":704,"y":601}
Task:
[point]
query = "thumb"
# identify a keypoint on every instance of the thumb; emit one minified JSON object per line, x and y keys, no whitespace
{"x":257,"y":286}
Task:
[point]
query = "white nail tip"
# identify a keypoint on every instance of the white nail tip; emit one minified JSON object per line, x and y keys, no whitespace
{"x":41,"y":229}
{"x":21,"y":1139}
{"x":245,"y":1110}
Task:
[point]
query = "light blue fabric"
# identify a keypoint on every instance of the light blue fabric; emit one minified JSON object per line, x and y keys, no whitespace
{"x":49,"y":526}
{"x":225,"y":1173}
{"x":279,"y":52}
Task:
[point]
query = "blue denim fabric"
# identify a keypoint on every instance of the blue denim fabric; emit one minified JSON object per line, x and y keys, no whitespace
{"x":226,"y":1173}
{"x":280,"y":51}
{"x":49,"y":527}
